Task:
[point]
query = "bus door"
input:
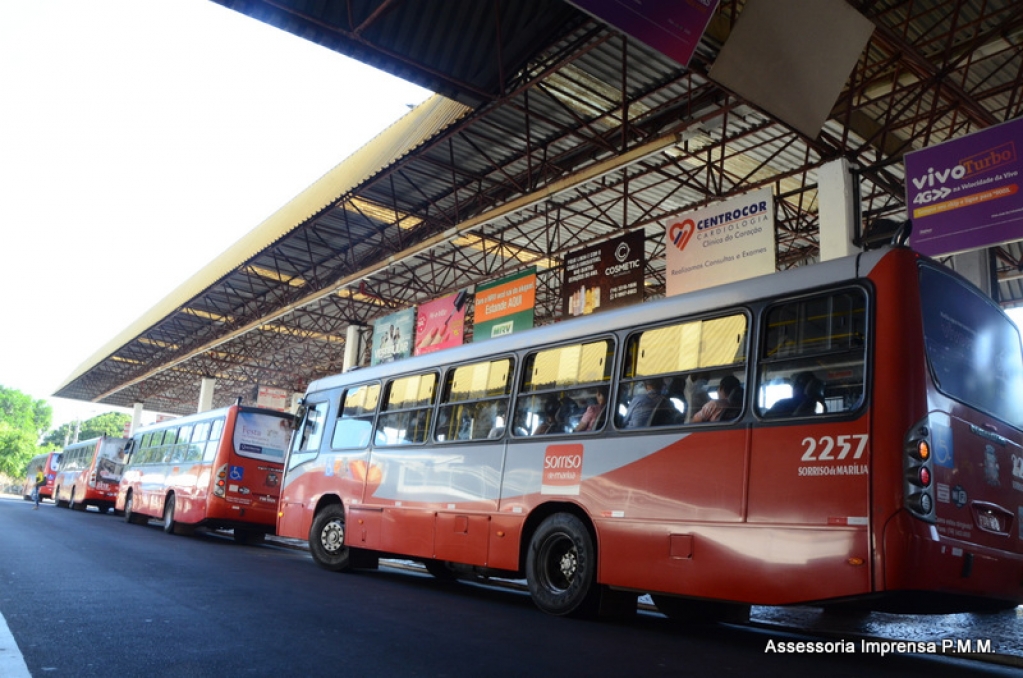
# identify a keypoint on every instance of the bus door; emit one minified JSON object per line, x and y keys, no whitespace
{"x":809,"y":476}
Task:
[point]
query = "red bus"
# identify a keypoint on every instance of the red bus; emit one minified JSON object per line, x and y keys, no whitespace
{"x":48,"y":463}
{"x":220,"y":469}
{"x":868,"y":451}
{"x":88,"y":474}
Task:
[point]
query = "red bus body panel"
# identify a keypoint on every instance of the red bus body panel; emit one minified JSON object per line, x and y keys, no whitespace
{"x":763,"y":512}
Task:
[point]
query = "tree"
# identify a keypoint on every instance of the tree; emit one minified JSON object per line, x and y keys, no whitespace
{"x":106,"y":424}
{"x":22,"y":421}
{"x":23,"y":413}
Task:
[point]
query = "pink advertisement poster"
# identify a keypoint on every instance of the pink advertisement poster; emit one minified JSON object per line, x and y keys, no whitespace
{"x":441,"y":323}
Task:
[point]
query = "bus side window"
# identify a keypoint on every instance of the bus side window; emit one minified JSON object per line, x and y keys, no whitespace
{"x":354,"y":424}
{"x":814,"y":356}
{"x":474,"y":405}
{"x":552,"y":379}
{"x":405,"y":412}
{"x":310,"y":434}
{"x":216,"y":430}
{"x":673,"y":371}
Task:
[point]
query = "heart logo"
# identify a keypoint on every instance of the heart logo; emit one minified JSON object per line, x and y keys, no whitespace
{"x":680,"y":233}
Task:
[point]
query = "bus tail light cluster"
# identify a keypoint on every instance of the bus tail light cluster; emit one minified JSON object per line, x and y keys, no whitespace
{"x":92,"y":479}
{"x":220,"y":487}
{"x":919,"y":472}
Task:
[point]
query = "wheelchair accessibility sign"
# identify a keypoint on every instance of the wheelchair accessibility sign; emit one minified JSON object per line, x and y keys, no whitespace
{"x":236,"y":473}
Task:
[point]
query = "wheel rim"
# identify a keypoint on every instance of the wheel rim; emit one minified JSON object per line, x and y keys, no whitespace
{"x":332,"y":536}
{"x":559,"y":563}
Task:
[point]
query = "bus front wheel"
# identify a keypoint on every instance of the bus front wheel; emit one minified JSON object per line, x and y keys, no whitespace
{"x":561,"y":567}
{"x":327,"y":539}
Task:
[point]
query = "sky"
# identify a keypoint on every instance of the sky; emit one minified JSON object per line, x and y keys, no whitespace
{"x":138,"y":141}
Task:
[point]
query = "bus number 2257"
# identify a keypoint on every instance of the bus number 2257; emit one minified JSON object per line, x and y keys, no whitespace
{"x":825,"y":447}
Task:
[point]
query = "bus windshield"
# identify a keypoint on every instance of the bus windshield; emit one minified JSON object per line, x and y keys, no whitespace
{"x":972,"y":347}
{"x":261,"y":436}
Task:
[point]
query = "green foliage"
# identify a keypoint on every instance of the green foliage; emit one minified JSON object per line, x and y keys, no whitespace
{"x":22,"y":421}
{"x":106,"y":424}
{"x":23,"y":413}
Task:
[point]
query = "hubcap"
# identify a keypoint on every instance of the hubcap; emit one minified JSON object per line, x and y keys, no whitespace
{"x":333,"y":536}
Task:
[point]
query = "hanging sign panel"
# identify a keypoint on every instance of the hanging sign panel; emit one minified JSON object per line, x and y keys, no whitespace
{"x":505,"y":306}
{"x":672,"y":28}
{"x":441,"y":323}
{"x":964,"y":194}
{"x":722,"y":243}
{"x":392,"y":336}
{"x":604,"y":276}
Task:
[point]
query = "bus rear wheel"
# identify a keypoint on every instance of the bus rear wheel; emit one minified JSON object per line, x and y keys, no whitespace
{"x":129,"y":512}
{"x":327,"y":539}
{"x":561,"y":567}
{"x":168,"y":515}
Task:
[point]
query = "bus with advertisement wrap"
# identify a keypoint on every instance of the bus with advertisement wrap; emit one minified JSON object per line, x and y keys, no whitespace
{"x":88,"y":474}
{"x":48,"y":463}
{"x":220,"y":469}
{"x":842,"y":433}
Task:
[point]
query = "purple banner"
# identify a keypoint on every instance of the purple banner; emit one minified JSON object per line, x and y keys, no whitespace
{"x":672,"y":28}
{"x":964,"y":194}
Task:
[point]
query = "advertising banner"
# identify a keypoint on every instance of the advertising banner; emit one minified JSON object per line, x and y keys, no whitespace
{"x":392,"y":336}
{"x":725,"y":242}
{"x":272,"y":398}
{"x":441,"y":323}
{"x":505,"y":306}
{"x":604,"y":276}
{"x":672,"y":28}
{"x":964,"y":194}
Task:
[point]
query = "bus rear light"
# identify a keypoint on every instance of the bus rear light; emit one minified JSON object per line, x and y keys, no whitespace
{"x":923,"y":450}
{"x":925,"y":476}
{"x":220,"y":487}
{"x":919,"y":472}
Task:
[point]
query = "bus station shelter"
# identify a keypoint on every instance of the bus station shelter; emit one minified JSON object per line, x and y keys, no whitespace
{"x":557,"y":126}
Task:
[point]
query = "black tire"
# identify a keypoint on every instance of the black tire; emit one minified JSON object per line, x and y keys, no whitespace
{"x":75,"y":505}
{"x":129,"y":512}
{"x":58,"y":502}
{"x":249,"y":537}
{"x":440,"y":570}
{"x":168,"y":515}
{"x":561,"y":567}
{"x":700,"y":611}
{"x":327,"y":538}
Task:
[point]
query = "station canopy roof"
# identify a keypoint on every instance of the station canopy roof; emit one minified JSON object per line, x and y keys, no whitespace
{"x":550,"y":132}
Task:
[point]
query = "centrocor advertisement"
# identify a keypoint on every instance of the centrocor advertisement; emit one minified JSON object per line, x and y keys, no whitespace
{"x":392,"y":336}
{"x":964,"y":194}
{"x":261,"y":436}
{"x":605,"y":276}
{"x":722,"y":243}
{"x":505,"y":306}
{"x":441,"y":323}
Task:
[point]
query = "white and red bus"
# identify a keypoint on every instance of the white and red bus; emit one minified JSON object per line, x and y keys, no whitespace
{"x":220,"y":469}
{"x":48,"y":463}
{"x":869,"y":451}
{"x":89,"y":472}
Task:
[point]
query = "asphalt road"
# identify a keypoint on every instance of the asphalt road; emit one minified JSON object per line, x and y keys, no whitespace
{"x":87,"y":595}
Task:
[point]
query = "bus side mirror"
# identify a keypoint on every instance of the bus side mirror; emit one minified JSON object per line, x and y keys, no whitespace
{"x":299,"y":414}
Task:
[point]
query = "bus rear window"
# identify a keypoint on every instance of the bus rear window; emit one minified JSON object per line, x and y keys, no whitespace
{"x":261,"y":436}
{"x":973,"y":349}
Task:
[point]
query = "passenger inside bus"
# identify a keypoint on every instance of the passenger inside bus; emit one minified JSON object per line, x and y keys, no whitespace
{"x":593,"y":417}
{"x":643,"y":405}
{"x":807,"y":392}
{"x":726,"y":405}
